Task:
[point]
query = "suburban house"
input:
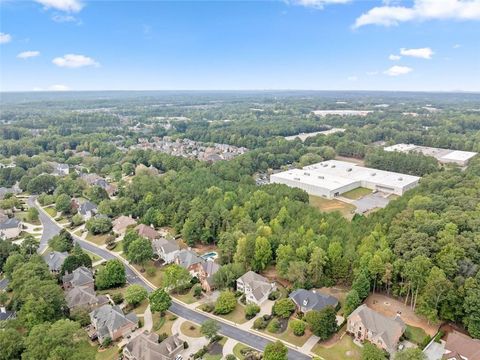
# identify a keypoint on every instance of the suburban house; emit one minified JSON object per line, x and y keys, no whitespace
{"x":461,"y":347}
{"x":147,"y":231}
{"x":382,"y":331}
{"x":80,"y":277}
{"x":121,"y":224}
{"x":146,"y":347}
{"x":189,"y":260}
{"x":55,"y":260}
{"x":255,"y":287}
{"x":205,"y":275}
{"x":87,"y":209}
{"x":7,"y":314}
{"x":84,"y":297}
{"x":10,"y":228}
{"x":306,"y":300}
{"x":60,"y":169}
{"x":166,"y":250}
{"x":110,"y":322}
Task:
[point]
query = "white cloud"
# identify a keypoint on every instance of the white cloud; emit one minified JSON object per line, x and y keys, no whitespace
{"x":62,"y":5}
{"x":5,"y":38}
{"x":56,"y":87}
{"x":74,"y":61}
{"x":423,"y":53}
{"x":457,"y":46}
{"x":352,"y":78}
{"x":394,"y":57}
{"x":397,"y":70}
{"x":317,"y":4}
{"x":422,"y":10}
{"x":28,"y":54}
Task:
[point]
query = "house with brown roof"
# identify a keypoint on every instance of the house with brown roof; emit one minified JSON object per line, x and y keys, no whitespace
{"x":80,"y":277}
{"x":366,"y":324}
{"x":205,"y":275}
{"x":147,"y":231}
{"x":461,"y":347}
{"x":84,"y":297}
{"x":255,"y":287}
{"x":109,"y":321}
{"x":121,"y":224}
{"x":146,"y":347}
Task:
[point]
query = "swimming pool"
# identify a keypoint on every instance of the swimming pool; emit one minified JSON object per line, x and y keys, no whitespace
{"x":210,"y":255}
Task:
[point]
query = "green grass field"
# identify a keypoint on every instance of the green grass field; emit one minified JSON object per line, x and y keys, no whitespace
{"x":190,"y":329}
{"x":326,"y":205}
{"x":344,"y":349}
{"x":237,"y":316}
{"x":237,"y":350}
{"x":415,"y":334}
{"x":51,"y":211}
{"x":357,"y":193}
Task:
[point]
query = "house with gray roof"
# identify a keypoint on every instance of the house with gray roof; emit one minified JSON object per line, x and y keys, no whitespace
{"x":55,"y":260}
{"x":121,"y":224}
{"x":80,"y":277}
{"x":166,"y":250}
{"x":84,"y":297}
{"x":109,"y":321}
{"x":189,"y":260}
{"x":207,"y":270}
{"x":10,"y":228}
{"x":255,"y":287}
{"x":87,"y":209}
{"x":366,"y":324}
{"x":306,"y":300}
{"x":146,"y":347}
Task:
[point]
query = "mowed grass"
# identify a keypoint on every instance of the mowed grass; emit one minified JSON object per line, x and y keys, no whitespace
{"x":190,"y":329}
{"x":344,"y":349}
{"x":163,"y":324}
{"x":237,"y":350}
{"x":237,"y":316}
{"x":108,"y":354}
{"x":290,"y":337}
{"x":51,"y":211}
{"x":357,"y":193}
{"x":156,"y":278}
{"x":326,"y":205}
{"x":97,"y":239}
{"x":187,"y":298}
{"x":415,"y":334}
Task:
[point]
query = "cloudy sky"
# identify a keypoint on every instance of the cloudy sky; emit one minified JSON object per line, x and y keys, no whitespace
{"x":292,"y":44}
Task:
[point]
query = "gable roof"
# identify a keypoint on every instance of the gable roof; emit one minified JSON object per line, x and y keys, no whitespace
{"x":312,"y":300}
{"x":459,"y":346}
{"x":147,"y":231}
{"x":55,"y":260}
{"x":122,"y":222}
{"x":259,"y":284}
{"x":146,"y":346}
{"x":11,"y":223}
{"x":79,"y":277}
{"x":186,"y":258}
{"x":388,"y":329}
{"x":110,"y":318}
{"x":87,"y":206}
{"x":79,"y":296}
{"x":165,"y":246}
{"x":210,"y":267}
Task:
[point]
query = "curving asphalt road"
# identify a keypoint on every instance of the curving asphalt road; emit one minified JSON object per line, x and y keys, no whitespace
{"x":50,"y":229}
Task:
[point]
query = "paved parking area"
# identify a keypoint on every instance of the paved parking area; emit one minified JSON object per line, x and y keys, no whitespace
{"x":371,"y":201}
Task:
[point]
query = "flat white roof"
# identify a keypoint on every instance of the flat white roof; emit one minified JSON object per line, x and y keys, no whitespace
{"x":303,"y":136}
{"x":353,"y":172}
{"x":400,"y":147}
{"x":327,"y":181}
{"x":459,"y":155}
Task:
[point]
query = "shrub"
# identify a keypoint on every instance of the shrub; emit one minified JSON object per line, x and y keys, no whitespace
{"x":162,"y":337}
{"x":106,"y":342}
{"x":197,"y":290}
{"x":226,"y":303}
{"x":298,"y":327}
{"x":251,"y":310}
{"x":283,"y":308}
{"x":185,"y":345}
{"x":267,"y":317}
{"x":274,"y":295}
{"x":274,"y":326}
{"x":260,"y":323}
{"x":117,"y":298}
{"x":207,"y":307}
{"x":230,"y":357}
{"x":200,"y":353}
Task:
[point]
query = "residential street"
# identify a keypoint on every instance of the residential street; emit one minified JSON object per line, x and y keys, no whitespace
{"x":51,"y":228}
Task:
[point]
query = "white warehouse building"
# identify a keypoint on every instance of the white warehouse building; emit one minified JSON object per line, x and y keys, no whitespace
{"x":443,"y":156}
{"x":332,"y":178}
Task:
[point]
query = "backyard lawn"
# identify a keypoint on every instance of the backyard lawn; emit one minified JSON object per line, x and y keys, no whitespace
{"x":326,"y":205}
{"x":343,"y":349}
{"x":357,"y":193}
{"x":237,"y":316}
{"x":190,"y":329}
{"x":108,"y":354}
{"x":415,"y":334}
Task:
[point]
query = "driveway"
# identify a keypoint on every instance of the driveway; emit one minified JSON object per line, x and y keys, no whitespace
{"x":177,"y":308}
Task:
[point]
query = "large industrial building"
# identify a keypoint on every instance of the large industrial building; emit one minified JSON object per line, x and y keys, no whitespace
{"x":442,"y":155}
{"x":332,"y":178}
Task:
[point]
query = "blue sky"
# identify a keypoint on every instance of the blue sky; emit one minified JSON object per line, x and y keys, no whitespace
{"x":295,"y":44}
